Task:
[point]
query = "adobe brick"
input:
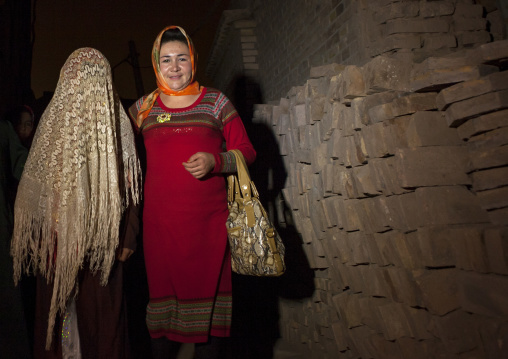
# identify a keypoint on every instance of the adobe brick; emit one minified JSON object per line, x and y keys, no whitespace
{"x":284,"y":146}
{"x":326,"y":70}
{"x":491,"y":139}
{"x":429,"y":128}
{"x":369,"y":304}
{"x":357,"y":122}
{"x":469,"y":248}
{"x":367,"y":183}
{"x":496,"y":244}
{"x":483,"y":123}
{"x":438,"y":290}
{"x":352,"y":222}
{"x":468,"y":24}
{"x":491,"y":303}
{"x":395,"y":42}
{"x":251,"y":66}
{"x":396,"y":10}
{"x":296,"y":95}
{"x":385,"y":248}
{"x":371,"y":222}
{"x":432,"y":166}
{"x":298,"y":116}
{"x":499,"y":217}
{"x":422,"y":349}
{"x":395,"y":321}
{"x":493,"y":157}
{"x":495,"y":51}
{"x":350,"y":85}
{"x":490,"y":178}
{"x":356,"y":279}
{"x":320,"y":159}
{"x":343,"y":119}
{"x":435,"y":42}
{"x":461,"y":111}
{"x":461,"y":58}
{"x":426,"y":77}
{"x":243,"y":24}
{"x":404,"y":105}
{"x":315,"y":109}
{"x":247,"y":32}
{"x":330,"y":215}
{"x":316,"y":88}
{"x":469,"y":10}
{"x":340,"y":333}
{"x":364,"y":104}
{"x":378,"y":140}
{"x":409,"y":251}
{"x":469,"y":38}
{"x":357,"y":243}
{"x":383,"y":168}
{"x":416,"y":26}
{"x":333,"y":147}
{"x":496,"y":25}
{"x":374,"y":253}
{"x":494,"y":82}
{"x":344,"y":150}
{"x":401,"y":211}
{"x":358,"y":342}
{"x":457,"y":331}
{"x":384,"y":73}
{"x":437,"y":247}
{"x":398,"y":127}
{"x":343,"y":183}
{"x":449,"y":205}
{"x":248,"y":38}
{"x":327,"y":177}
{"x":360,"y":150}
{"x":493,"y":198}
{"x":383,"y":348}
{"x":436,"y":8}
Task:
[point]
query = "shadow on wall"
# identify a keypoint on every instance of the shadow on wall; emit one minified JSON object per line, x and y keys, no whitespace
{"x":255,"y":322}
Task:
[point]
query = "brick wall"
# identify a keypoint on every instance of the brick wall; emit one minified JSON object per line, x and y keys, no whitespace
{"x":293,"y":36}
{"x":391,"y":121}
{"x":398,"y":186}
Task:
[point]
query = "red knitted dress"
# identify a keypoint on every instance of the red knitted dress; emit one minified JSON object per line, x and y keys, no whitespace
{"x":184,"y":232}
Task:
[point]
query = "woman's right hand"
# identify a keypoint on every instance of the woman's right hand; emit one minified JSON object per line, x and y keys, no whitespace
{"x":200,"y":164}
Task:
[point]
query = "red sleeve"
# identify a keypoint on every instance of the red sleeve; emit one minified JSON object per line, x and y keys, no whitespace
{"x":236,"y":138}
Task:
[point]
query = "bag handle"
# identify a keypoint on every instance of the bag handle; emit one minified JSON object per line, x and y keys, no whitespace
{"x":240,"y":186}
{"x":240,"y":181}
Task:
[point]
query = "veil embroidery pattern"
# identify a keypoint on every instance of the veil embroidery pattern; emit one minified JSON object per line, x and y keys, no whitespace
{"x":81,"y":173}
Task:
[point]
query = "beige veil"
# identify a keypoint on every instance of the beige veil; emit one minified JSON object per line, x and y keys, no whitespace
{"x":81,"y":173}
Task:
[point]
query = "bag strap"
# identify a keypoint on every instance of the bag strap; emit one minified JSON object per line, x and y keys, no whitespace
{"x":239,"y":182}
{"x":240,"y":186}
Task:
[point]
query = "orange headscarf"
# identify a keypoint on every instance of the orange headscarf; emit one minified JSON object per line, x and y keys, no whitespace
{"x":191,"y":89}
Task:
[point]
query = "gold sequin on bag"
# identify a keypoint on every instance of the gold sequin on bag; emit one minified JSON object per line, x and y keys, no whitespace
{"x":256,"y":247}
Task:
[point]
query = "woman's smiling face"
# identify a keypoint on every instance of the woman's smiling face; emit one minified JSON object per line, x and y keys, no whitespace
{"x":175,"y":64}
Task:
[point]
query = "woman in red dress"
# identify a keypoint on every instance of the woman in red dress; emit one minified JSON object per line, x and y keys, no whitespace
{"x":187,"y":131}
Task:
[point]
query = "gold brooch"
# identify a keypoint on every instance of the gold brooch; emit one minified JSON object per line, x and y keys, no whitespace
{"x":164,"y":117}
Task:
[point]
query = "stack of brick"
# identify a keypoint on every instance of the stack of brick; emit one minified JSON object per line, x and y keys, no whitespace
{"x":426,"y":28}
{"x":398,"y":186}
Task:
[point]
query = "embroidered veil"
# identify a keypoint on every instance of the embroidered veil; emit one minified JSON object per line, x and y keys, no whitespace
{"x":80,"y":175}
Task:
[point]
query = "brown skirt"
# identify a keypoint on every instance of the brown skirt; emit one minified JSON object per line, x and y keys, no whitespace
{"x":101,"y":316}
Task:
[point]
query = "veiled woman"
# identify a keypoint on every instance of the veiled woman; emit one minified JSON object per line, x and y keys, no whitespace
{"x":81,"y":175}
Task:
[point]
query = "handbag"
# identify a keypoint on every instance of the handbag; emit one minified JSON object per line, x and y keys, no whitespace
{"x":256,"y":247}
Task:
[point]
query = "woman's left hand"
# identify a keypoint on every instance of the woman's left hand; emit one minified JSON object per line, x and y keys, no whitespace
{"x":200,"y":164}
{"x":125,"y":254}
